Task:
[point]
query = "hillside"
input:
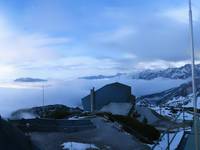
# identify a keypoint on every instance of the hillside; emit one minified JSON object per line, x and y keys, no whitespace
{"x":180,"y":95}
{"x":56,"y":111}
{"x":183,"y":72}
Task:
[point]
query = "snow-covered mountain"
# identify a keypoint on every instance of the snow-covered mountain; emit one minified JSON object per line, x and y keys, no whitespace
{"x":183,"y":72}
{"x":172,"y":97}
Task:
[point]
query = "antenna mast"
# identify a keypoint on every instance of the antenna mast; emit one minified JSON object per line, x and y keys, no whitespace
{"x":195,"y":118}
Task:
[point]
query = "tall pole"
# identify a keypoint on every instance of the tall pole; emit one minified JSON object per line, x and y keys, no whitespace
{"x":43,"y":95}
{"x":195,"y":118}
{"x":43,"y":100}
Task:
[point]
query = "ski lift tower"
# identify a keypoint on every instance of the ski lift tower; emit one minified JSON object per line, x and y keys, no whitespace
{"x":195,"y":118}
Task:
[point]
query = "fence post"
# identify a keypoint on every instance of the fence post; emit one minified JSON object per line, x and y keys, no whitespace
{"x":183,"y":120}
{"x":160,"y":110}
{"x":168,"y":141}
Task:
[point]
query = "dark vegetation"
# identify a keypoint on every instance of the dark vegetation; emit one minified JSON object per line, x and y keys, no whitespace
{"x":146,"y":133}
{"x":50,"y":111}
{"x":11,"y":138}
{"x":57,"y":114}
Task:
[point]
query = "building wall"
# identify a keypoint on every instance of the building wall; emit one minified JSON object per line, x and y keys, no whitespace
{"x":111,"y":93}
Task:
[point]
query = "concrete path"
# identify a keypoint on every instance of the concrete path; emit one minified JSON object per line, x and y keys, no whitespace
{"x":105,"y":135}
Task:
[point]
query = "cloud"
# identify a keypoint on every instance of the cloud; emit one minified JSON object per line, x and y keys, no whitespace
{"x":117,"y":35}
{"x":32,"y":47}
{"x":7,"y":71}
{"x":120,"y":37}
{"x":18,"y":46}
{"x":28,"y":79}
{"x":180,"y":14}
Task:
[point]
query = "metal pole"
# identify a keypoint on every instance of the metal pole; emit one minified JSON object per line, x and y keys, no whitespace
{"x":43,"y":100}
{"x":43,"y":95}
{"x":183,"y":119}
{"x":193,"y":78}
{"x":168,"y":141}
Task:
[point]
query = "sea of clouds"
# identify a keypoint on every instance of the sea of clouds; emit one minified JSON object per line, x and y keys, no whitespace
{"x":70,"y":92}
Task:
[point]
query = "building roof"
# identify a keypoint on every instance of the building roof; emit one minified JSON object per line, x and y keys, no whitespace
{"x":111,"y":84}
{"x":117,"y":84}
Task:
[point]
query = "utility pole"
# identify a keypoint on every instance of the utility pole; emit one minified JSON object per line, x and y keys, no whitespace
{"x":195,"y":118}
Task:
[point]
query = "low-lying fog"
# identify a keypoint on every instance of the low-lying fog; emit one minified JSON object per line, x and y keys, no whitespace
{"x":70,"y":92}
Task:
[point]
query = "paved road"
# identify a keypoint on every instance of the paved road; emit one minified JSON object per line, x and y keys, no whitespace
{"x":103,"y":135}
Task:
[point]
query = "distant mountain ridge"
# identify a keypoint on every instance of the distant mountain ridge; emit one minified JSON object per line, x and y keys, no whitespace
{"x":183,"y":72}
{"x":102,"y":76}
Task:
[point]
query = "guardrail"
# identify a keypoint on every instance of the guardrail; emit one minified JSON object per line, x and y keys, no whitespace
{"x":167,"y":133}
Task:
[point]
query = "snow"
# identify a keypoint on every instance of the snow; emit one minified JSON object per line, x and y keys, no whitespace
{"x":77,"y":146}
{"x":165,"y":111}
{"x":178,"y":101}
{"x":183,"y":101}
{"x":25,"y":115}
{"x":117,"y":108}
{"x":187,"y":116}
{"x":190,"y":104}
{"x":174,"y":144}
{"x":146,"y":113}
{"x":76,"y":118}
{"x":176,"y":140}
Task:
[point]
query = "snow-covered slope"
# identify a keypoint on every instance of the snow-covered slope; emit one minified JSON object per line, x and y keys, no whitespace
{"x":117,"y":108}
{"x":183,"y":72}
{"x":172,"y":97}
{"x":146,"y":113}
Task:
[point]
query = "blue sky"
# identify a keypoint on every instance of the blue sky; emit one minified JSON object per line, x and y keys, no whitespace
{"x":65,"y":39}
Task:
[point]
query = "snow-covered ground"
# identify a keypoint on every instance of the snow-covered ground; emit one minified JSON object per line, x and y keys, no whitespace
{"x":165,"y":111}
{"x":78,"y":146}
{"x":190,"y":103}
{"x":117,"y":108}
{"x":164,"y":141}
{"x":183,"y":101}
{"x":76,"y":118}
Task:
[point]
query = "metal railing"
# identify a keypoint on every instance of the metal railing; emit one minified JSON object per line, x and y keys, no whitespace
{"x":168,"y":131}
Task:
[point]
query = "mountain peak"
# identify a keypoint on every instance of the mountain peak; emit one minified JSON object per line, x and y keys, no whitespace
{"x":183,"y":72}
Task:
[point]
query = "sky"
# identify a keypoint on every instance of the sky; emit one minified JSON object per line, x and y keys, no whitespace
{"x":66,"y":39}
